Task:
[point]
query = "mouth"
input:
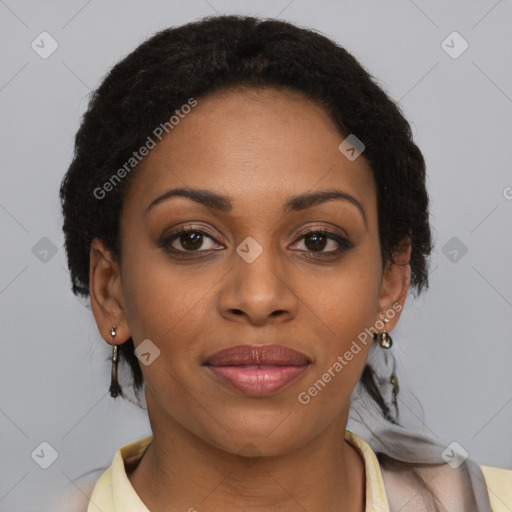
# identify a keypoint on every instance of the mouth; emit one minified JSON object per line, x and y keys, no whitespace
{"x":257,"y":370}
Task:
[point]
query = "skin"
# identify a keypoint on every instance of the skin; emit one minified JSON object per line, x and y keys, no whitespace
{"x":259,"y":147}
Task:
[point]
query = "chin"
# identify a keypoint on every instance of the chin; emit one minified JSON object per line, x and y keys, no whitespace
{"x":261,"y":435}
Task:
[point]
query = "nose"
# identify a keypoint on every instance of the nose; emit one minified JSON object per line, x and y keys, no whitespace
{"x":258,"y":292}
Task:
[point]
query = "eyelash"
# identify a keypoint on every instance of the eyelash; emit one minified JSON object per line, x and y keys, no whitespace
{"x":343,"y":242}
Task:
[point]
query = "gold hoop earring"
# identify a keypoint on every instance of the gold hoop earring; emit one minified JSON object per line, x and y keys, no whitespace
{"x":115,"y":388}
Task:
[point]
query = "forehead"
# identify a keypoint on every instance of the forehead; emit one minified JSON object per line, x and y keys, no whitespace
{"x":254,"y":145}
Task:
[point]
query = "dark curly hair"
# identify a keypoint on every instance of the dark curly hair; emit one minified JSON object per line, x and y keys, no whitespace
{"x":146,"y":87}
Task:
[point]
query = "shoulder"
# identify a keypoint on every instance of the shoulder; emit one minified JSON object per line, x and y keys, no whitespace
{"x":113,"y":490}
{"x":75,"y":497}
{"x":102,"y":497}
{"x":499,"y":486}
{"x":469,"y":486}
{"x":94,"y":491}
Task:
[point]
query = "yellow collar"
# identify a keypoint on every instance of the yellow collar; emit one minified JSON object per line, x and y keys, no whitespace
{"x":113,"y":491}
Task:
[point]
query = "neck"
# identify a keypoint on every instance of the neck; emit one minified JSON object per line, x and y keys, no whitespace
{"x":180,"y":471}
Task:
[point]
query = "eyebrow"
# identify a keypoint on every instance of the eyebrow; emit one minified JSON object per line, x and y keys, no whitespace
{"x":223,"y":203}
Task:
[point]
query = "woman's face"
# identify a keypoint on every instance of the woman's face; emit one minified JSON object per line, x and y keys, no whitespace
{"x":249,"y":273}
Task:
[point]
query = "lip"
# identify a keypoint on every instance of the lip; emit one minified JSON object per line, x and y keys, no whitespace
{"x":257,"y":370}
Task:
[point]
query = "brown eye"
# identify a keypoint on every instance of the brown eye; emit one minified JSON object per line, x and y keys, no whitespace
{"x":187,"y":241}
{"x":191,"y":240}
{"x":317,"y":241}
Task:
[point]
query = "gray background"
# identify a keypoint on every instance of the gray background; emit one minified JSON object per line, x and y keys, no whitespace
{"x":453,"y":344}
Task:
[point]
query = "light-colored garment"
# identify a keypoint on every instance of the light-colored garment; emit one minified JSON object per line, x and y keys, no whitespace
{"x":499,"y":486}
{"x":113,"y":491}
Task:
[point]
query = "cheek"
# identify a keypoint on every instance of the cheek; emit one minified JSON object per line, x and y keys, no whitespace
{"x":341,"y":312}
{"x":347,"y":300}
{"x":340,"y":308}
{"x":165,"y":302}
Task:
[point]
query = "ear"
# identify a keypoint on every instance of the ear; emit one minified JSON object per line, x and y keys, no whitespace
{"x":395,"y":283}
{"x":106,"y":293}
